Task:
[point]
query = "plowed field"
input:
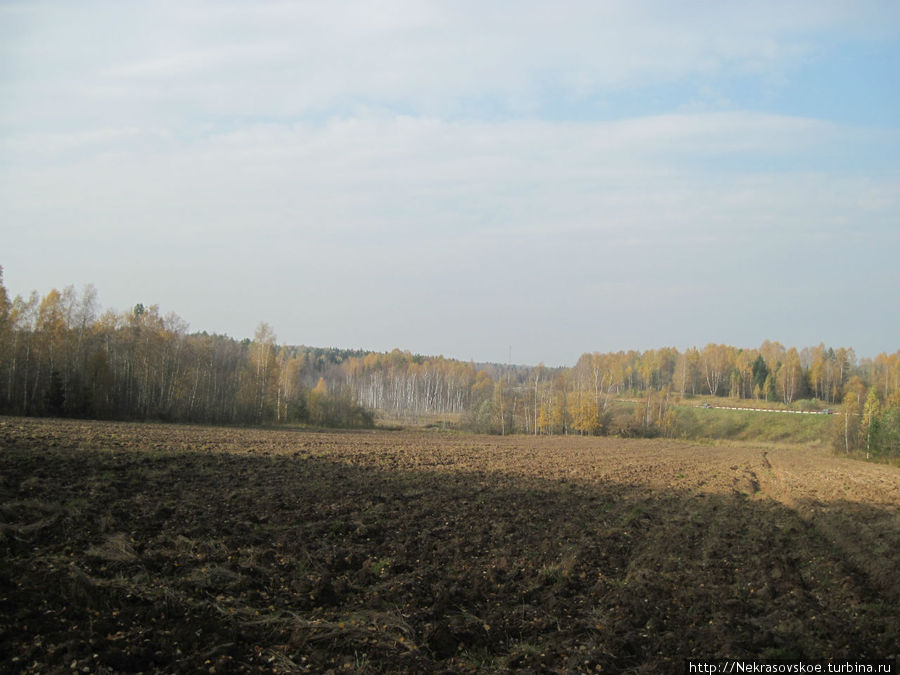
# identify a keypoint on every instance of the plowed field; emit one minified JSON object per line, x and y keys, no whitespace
{"x":154,"y":548}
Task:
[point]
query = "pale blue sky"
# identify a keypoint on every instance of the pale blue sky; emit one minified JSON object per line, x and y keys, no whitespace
{"x":459,"y":177}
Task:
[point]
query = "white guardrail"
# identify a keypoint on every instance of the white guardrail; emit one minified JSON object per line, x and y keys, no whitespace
{"x":772,"y":410}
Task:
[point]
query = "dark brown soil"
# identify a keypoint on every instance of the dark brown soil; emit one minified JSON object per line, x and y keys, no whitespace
{"x":153,"y":548}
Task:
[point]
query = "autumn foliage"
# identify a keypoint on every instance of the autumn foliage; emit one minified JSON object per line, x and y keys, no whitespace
{"x":61,"y":355}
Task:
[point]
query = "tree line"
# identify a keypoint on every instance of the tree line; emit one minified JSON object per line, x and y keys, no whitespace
{"x":61,"y":354}
{"x":498,"y":398}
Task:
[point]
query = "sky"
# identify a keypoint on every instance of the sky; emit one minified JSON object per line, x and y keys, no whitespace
{"x":513,"y":179}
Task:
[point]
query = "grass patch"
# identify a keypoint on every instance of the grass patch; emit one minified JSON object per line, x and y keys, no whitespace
{"x":748,"y":425}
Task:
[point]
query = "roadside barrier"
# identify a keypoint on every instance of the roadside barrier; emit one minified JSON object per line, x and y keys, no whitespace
{"x":772,"y":410}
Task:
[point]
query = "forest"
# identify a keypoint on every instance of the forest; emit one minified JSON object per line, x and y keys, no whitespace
{"x":62,"y":355}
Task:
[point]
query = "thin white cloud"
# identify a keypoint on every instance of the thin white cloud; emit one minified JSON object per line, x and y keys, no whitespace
{"x":333,"y":164}
{"x":283,"y":59}
{"x":389,"y":177}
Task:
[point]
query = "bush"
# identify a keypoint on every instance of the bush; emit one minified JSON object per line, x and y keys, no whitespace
{"x":343,"y":412}
{"x":886,"y":434}
{"x":633,"y":429}
{"x":329,"y":410}
{"x":55,"y":398}
{"x":480,"y":418}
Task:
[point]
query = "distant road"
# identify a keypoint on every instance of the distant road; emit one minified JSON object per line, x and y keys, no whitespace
{"x":772,"y":410}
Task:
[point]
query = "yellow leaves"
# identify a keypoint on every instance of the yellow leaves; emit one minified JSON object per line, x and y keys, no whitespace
{"x":586,"y":415}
